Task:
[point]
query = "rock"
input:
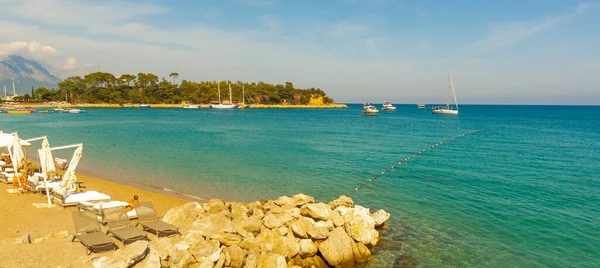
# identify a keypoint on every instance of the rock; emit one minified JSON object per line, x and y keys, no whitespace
{"x":341,"y":210}
{"x":222,"y":259}
{"x":152,"y":260}
{"x":282,"y":231}
{"x":239,"y":211}
{"x":213,"y":224}
{"x":228,"y":239}
{"x":165,"y":251}
{"x":342,"y":201}
{"x":253,"y":224}
{"x":380,"y":217}
{"x":361,"y":253}
{"x":302,"y":199}
{"x":307,"y":248}
{"x":293,"y":212}
{"x":236,"y":256}
{"x":320,"y":230}
{"x":301,"y":226}
{"x":208,"y":250}
{"x":271,"y":241}
{"x":250,"y":244}
{"x":337,"y":249}
{"x":338,"y":219}
{"x":360,"y":226}
{"x":251,"y":261}
{"x":285,"y":201}
{"x":318,"y":211}
{"x":272,"y":261}
{"x":126,"y":256}
{"x":314,"y":261}
{"x":255,"y":207}
{"x":273,"y":221}
{"x":185,"y":260}
{"x":215,"y":206}
{"x":270,"y":206}
{"x":183,"y":216}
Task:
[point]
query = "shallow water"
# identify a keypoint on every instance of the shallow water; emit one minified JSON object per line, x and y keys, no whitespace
{"x":525,"y":192}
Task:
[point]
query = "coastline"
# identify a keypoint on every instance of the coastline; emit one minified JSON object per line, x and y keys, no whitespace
{"x":206,"y":106}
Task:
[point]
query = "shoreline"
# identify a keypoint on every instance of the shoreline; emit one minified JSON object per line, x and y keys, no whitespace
{"x":202,"y":106}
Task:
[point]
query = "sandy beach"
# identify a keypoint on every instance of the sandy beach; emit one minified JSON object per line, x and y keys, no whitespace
{"x":51,"y":229}
{"x":207,"y":106}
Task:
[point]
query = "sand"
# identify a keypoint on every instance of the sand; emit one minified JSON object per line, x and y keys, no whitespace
{"x":53,"y":227}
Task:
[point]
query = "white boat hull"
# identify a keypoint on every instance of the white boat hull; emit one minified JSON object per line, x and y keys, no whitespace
{"x":191,"y":107}
{"x":389,"y":108}
{"x":223,"y":106}
{"x":445,"y":111}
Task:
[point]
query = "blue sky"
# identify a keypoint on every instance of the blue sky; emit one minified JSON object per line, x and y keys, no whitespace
{"x":528,"y":52}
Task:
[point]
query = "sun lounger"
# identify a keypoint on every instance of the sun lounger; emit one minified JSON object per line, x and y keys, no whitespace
{"x":70,"y":199}
{"x":89,"y":234}
{"x":98,"y":208}
{"x":148,"y":219}
{"x":118,"y":226}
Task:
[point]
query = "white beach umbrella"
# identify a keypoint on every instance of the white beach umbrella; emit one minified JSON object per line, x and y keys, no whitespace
{"x":17,"y":156}
{"x":69,"y":178}
{"x":47,"y":164}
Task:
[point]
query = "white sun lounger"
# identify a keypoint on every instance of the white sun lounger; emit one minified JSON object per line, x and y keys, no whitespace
{"x":98,"y":207}
{"x":69,"y":199}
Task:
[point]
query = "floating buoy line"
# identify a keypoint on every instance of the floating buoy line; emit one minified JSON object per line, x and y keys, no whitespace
{"x":406,"y":159}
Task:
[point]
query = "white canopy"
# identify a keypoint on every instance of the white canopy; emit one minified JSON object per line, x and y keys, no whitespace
{"x":7,"y":140}
{"x":46,"y":163}
{"x":17,"y":156}
{"x":69,"y":178}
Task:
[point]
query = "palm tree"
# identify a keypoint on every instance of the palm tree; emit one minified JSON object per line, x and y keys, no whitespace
{"x":175,"y":76}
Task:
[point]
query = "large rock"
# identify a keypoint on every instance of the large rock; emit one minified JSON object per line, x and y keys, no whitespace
{"x":342,"y":201}
{"x":228,"y":239}
{"x":126,"y":256}
{"x":320,"y":230}
{"x":215,"y":206}
{"x":308,"y":248}
{"x":380,"y":217}
{"x":300,"y":227}
{"x":239,"y":211}
{"x":253,"y":224}
{"x":273,"y":221}
{"x":337,"y":249}
{"x":166,"y":251}
{"x":235,"y":256}
{"x":251,"y":260}
{"x":152,"y":260}
{"x":360,"y":226}
{"x":271,"y":241}
{"x":302,"y":199}
{"x":183,"y":216}
{"x":272,"y":261}
{"x":294,"y":212}
{"x":338,"y":219}
{"x":285,"y":201}
{"x":361,"y":253}
{"x":317,"y":211}
{"x":206,"y":251}
{"x":213,"y":224}
{"x":250,"y":244}
{"x":314,"y":261}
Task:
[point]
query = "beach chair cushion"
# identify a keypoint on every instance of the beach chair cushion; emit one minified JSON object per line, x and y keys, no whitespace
{"x":118,"y":225}
{"x":148,"y":218}
{"x":89,"y":234}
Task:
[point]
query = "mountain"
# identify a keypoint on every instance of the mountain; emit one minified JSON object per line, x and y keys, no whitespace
{"x":26,"y":73}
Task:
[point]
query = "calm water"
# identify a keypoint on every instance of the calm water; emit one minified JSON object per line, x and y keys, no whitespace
{"x":525,"y":192}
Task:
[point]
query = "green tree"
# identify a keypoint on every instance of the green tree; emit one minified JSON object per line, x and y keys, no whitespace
{"x":174,"y":76}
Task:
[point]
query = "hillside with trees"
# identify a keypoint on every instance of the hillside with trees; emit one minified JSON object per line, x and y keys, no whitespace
{"x":100,"y":87}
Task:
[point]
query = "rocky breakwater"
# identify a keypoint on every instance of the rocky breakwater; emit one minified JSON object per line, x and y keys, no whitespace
{"x":287,"y":232}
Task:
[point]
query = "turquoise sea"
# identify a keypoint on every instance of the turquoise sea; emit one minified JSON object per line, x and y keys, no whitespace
{"x":524,"y":192}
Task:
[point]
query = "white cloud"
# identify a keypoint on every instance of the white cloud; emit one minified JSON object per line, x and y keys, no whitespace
{"x":47,"y":55}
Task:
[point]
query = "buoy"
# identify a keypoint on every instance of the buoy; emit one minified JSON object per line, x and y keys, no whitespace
{"x":369,"y":180}
{"x":356,"y":189}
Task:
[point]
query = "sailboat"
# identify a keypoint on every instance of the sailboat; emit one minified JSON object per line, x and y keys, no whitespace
{"x":220,"y":105}
{"x":243,"y":105}
{"x":448,"y":109}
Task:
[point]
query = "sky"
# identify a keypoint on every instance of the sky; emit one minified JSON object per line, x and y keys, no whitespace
{"x":500,"y":52}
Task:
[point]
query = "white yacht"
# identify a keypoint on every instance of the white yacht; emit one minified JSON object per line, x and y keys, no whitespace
{"x":448,"y":109}
{"x":220,"y":105}
{"x":369,"y":109}
{"x":387,"y":106}
{"x":190,"y":106}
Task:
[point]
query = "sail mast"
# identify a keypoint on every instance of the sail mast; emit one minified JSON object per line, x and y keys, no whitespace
{"x":448,"y":98}
{"x":230,"y":99}
{"x":219,"y":89}
{"x":243,"y":96}
{"x":453,"y":92}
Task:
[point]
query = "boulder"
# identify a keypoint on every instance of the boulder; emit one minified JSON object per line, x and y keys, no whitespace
{"x":272,"y":261}
{"x":215,"y":206}
{"x":125,"y":256}
{"x":337,"y":249}
{"x":361,"y":253}
{"x":380,"y":217}
{"x":228,"y":239}
{"x":314,"y":261}
{"x":294,"y":212}
{"x":239,"y":211}
{"x":342,"y":201}
{"x":255,"y":207}
{"x":152,"y":260}
{"x":273,"y":221}
{"x":360,"y":226}
{"x":338,"y":219}
{"x":206,"y":251}
{"x":285,"y":201}
{"x":183,"y":216}
{"x":270,"y":206}
{"x":341,"y":210}
{"x":302,"y":199}
{"x":316,"y":211}
{"x":253,"y":224}
{"x":300,"y":227}
{"x":320,"y":230}
{"x":271,"y":241}
{"x":212,"y":224}
{"x":250,"y":244}
{"x":166,"y":251}
{"x":251,"y":260}
{"x":235,"y":256}
{"x":307,"y":248}
{"x":185,"y":260}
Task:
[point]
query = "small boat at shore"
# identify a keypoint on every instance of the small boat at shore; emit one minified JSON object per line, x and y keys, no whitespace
{"x":448,"y":109}
{"x":144,"y":106}
{"x":20,"y":111}
{"x":190,"y":106}
{"x":421,"y":105}
{"x":387,"y":106}
{"x":221,"y":105}
{"x":369,"y":109}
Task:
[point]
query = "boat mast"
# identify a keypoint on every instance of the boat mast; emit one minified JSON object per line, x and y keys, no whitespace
{"x":219,"y":89}
{"x":230,"y":100}
{"x":448,"y":98}
{"x":453,"y":92}
{"x":243,"y":96}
